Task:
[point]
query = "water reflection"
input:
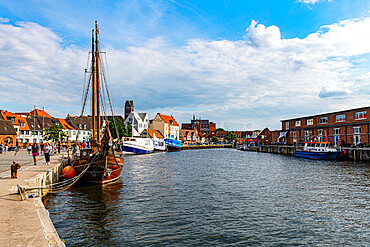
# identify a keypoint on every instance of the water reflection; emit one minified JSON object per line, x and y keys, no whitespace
{"x":219,"y":197}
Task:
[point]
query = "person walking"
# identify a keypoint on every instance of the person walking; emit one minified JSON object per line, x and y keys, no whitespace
{"x":29,"y":149}
{"x":47,"y":151}
{"x":35,"y":152}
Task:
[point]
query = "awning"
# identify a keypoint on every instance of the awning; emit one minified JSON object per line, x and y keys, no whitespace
{"x":241,"y":140}
{"x":282,"y":134}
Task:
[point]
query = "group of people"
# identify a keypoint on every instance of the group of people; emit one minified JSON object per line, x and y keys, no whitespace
{"x":45,"y":148}
{"x":4,"y":147}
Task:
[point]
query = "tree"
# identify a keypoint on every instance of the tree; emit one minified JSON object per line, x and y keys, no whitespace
{"x":121,"y":128}
{"x":230,"y":136}
{"x":52,"y":133}
{"x":214,"y":139}
{"x":219,"y":129}
{"x":128,"y":130}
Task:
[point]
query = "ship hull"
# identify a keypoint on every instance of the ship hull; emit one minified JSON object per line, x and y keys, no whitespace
{"x":102,"y":171}
{"x":317,"y":155}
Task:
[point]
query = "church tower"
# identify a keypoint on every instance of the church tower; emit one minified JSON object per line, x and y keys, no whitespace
{"x":129,"y":107}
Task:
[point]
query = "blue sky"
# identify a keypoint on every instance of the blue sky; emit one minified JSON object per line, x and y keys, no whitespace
{"x":242,"y":64}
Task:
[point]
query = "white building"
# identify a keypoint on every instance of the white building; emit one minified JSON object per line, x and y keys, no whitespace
{"x":138,"y":121}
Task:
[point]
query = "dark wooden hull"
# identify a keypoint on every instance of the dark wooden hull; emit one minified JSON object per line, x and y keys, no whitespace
{"x":102,"y":171}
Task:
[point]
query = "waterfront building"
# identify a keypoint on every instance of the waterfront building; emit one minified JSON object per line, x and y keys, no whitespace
{"x":7,"y":133}
{"x":78,"y":128}
{"x":189,"y":136}
{"x":348,"y":127}
{"x":138,"y":121}
{"x":207,"y":128}
{"x":167,"y":125}
{"x":221,"y":135}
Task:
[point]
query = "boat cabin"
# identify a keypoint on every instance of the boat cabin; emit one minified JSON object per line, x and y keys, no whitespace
{"x":318,"y":147}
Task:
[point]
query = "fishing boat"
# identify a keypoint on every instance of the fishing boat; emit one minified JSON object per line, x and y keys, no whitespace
{"x":317,"y":150}
{"x":159,"y":145}
{"x":172,"y":145}
{"x":137,"y":145}
{"x":99,"y":164}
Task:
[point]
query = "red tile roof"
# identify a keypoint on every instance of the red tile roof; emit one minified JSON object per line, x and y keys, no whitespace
{"x":40,"y":113}
{"x":169,"y":119}
{"x":153,"y":132}
{"x":65,"y":124}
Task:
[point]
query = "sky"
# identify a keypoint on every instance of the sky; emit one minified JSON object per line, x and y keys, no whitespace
{"x":242,"y":64}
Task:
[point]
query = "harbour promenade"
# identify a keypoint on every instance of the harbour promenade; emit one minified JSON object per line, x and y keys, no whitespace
{"x":25,"y":223}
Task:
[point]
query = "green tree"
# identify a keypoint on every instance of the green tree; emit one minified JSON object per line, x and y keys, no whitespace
{"x":128,"y":129}
{"x":121,"y":128}
{"x":230,"y":136}
{"x":219,"y":129}
{"x":214,"y":139}
{"x":52,"y":133}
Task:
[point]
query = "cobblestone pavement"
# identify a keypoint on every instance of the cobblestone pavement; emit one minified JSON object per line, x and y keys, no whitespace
{"x":22,"y":157}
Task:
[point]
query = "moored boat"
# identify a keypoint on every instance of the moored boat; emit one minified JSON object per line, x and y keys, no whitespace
{"x":173,"y":145}
{"x":317,"y":150}
{"x":159,"y":145}
{"x":137,"y":145}
{"x":101,"y":163}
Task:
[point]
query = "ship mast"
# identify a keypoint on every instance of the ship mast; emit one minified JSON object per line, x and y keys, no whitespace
{"x":97,"y":82}
{"x":93,"y":100}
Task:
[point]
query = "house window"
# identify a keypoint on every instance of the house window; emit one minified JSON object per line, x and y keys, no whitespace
{"x":356,"y":130}
{"x":336,"y":137}
{"x":286,"y":125}
{"x":22,"y":124}
{"x":295,"y":137}
{"x":297,"y":123}
{"x":306,"y":135}
{"x":323,"y":120}
{"x":319,"y":135}
{"x":309,"y":122}
{"x":360,"y":115}
{"x":340,"y":118}
{"x":356,"y":135}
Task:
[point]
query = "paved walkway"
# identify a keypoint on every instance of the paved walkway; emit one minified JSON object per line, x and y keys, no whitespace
{"x":24,"y":223}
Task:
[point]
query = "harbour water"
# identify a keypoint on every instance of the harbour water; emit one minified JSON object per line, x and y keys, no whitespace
{"x":219,"y":197}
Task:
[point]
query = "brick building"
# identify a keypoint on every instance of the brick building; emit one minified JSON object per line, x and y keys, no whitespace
{"x":7,"y":133}
{"x":349,"y":127}
{"x":207,"y":128}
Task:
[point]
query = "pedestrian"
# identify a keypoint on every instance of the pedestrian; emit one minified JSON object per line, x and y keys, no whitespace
{"x":35,"y":152}
{"x":6,"y":147}
{"x":47,"y":150}
{"x":1,"y":148}
{"x":42,"y":147}
{"x":29,"y":149}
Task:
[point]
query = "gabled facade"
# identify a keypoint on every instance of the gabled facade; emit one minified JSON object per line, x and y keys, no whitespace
{"x":138,"y":121}
{"x":8,"y":135}
{"x":189,"y":136}
{"x":167,"y":125}
{"x":78,"y":128}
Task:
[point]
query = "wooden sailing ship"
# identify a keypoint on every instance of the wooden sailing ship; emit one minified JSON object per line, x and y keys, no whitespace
{"x":100,"y":163}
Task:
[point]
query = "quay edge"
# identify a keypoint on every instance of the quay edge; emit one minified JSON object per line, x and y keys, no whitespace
{"x":27,"y":223}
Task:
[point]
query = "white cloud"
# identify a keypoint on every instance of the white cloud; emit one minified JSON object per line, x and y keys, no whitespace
{"x":250,"y":83}
{"x":313,"y":1}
